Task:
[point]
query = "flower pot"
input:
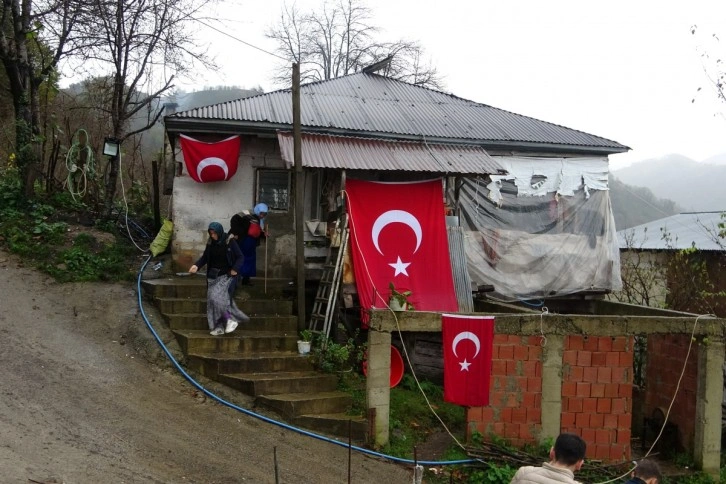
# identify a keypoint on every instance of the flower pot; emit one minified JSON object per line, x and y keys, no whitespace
{"x":397,"y":305}
{"x":303,"y":347}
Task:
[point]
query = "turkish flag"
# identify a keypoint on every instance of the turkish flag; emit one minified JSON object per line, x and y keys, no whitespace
{"x":210,"y":162}
{"x":467,"y":344}
{"x":398,"y":235}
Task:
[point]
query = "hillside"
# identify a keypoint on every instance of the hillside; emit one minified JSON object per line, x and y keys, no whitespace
{"x":691,"y":185}
{"x":637,"y":205}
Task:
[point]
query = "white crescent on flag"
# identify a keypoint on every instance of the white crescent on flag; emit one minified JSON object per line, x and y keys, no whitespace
{"x":210,"y":162}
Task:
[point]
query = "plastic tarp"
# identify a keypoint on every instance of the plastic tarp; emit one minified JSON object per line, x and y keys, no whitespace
{"x":544,"y":229}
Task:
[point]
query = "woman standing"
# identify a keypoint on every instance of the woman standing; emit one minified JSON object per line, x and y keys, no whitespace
{"x":223,"y":259}
{"x":249,"y":229}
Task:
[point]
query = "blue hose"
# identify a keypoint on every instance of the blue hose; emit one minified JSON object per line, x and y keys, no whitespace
{"x":199,"y":387}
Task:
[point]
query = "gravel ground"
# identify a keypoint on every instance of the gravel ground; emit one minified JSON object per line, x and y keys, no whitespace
{"x":88,"y":397}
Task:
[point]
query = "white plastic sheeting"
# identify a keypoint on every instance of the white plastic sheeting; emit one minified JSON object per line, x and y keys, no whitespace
{"x":545,"y":229}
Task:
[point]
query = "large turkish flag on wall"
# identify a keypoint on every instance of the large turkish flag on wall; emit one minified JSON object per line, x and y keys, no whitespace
{"x":210,"y":162}
{"x":468,"y":342}
{"x":398,"y":235}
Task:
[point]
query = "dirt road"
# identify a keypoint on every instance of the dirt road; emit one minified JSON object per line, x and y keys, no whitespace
{"x":87,"y":397}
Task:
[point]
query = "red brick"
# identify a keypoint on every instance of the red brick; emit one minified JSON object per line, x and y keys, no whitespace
{"x":583,"y":389}
{"x":506,"y":415}
{"x":496,"y":398}
{"x":574,"y":405}
{"x":603,"y":405}
{"x":602,"y":436}
{"x":617,"y":452}
{"x":584,"y":358}
{"x":589,"y":374}
{"x":619,"y":406}
{"x":604,"y":375}
{"x":506,"y":352}
{"x":604,"y":344}
{"x":498,"y":428}
{"x":588,"y":435}
{"x":574,"y":342}
{"x":576,"y":373}
{"x":529,"y":368}
{"x":474,"y":414}
{"x":567,"y":419}
{"x":534,"y":415}
{"x":597,"y":390}
{"x":589,"y":405}
{"x":511,"y":430}
{"x":623,"y":436}
{"x":519,"y":415}
{"x":590,"y":343}
{"x":610,"y":421}
{"x":612,"y":390}
{"x":582,"y":420}
{"x":626,"y":359}
{"x":612,"y":358}
{"x":602,"y":452}
{"x":620,"y":343}
{"x":521,"y":353}
{"x":569,"y":357}
{"x":625,"y":422}
{"x":597,"y":421}
{"x":621,"y":375}
{"x":499,"y":367}
{"x":525,"y":433}
{"x":512,"y":400}
{"x":598,"y":358}
{"x":521,"y":383}
{"x":534,"y":384}
{"x":500,"y":339}
{"x":569,"y":389}
{"x":528,"y":400}
{"x":625,"y":390}
{"x":511,"y":367}
{"x":535,"y":351}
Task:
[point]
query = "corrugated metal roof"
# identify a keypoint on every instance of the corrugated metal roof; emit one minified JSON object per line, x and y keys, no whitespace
{"x":325,"y":151}
{"x":699,"y":229}
{"x":377,"y":105}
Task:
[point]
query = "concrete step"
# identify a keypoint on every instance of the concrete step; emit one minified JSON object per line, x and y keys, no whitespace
{"x":241,"y":341}
{"x":256,"y":384}
{"x":293,"y":405}
{"x":336,"y":424}
{"x":281,"y":323}
{"x":198,"y":305}
{"x":212,"y":365}
{"x":196,"y":286}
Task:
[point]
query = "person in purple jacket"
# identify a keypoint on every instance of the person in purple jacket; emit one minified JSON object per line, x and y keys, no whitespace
{"x":223,"y":259}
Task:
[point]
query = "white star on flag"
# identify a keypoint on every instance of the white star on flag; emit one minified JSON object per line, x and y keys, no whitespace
{"x":464,"y":365}
{"x":400,"y":267}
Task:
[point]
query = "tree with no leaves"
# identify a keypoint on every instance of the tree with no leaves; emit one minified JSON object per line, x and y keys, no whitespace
{"x":340,"y":40}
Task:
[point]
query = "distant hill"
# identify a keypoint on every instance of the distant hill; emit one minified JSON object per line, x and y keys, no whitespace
{"x":692,"y":185}
{"x":209,"y":96}
{"x":637,"y":205}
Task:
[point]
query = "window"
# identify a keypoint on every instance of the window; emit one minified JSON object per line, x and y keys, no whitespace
{"x":273,"y":189}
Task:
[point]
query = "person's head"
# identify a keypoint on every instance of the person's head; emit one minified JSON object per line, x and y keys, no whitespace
{"x":260,"y":210}
{"x":648,"y":471}
{"x":216,"y":231}
{"x":569,"y":451}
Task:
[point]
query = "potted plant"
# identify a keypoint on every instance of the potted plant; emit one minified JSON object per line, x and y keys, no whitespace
{"x":398,"y":300}
{"x":303,"y":344}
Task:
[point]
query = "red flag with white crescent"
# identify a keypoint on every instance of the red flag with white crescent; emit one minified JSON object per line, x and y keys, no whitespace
{"x":398,"y":235}
{"x":468,"y":342}
{"x":210,"y":162}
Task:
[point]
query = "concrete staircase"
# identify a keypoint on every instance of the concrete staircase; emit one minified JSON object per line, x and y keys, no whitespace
{"x":260,"y":358}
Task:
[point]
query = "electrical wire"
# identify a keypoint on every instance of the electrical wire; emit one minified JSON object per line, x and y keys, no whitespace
{"x":76,"y":181}
{"x":250,"y":413}
{"x":126,"y":204}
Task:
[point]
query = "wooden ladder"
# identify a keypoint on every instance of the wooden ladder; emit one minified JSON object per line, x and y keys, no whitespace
{"x":327,"y":294}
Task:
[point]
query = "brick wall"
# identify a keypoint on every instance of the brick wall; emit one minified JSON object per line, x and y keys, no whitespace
{"x":596,"y":394}
{"x":666,"y":355}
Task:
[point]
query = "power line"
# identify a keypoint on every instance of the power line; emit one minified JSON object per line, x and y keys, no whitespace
{"x":241,"y":41}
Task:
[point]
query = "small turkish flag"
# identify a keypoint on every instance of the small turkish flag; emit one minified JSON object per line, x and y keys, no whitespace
{"x":398,"y":236}
{"x":210,"y":162}
{"x":467,"y":342}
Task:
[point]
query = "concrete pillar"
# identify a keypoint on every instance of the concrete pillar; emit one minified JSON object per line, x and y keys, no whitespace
{"x":552,"y":386}
{"x":707,"y":434}
{"x":378,"y":391}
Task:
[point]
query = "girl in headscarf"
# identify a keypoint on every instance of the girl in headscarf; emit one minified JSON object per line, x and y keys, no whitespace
{"x":249,"y":229}
{"x":223,"y":259}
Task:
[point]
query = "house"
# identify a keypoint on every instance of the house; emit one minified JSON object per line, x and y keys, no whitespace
{"x":531,"y":196}
{"x":656,"y":255}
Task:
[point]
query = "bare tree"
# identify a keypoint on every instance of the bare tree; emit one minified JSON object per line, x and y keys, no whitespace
{"x":34,"y":37}
{"x":340,"y":40}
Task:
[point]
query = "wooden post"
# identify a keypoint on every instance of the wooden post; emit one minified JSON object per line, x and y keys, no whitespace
{"x":299,"y":197}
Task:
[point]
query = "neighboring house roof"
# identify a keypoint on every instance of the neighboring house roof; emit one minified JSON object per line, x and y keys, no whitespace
{"x":677,"y":232}
{"x":374,"y":106}
{"x":325,"y":151}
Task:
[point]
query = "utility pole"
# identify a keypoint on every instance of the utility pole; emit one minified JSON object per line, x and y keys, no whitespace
{"x":299,"y":197}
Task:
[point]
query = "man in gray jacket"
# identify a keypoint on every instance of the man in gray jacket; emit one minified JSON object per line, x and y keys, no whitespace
{"x":566,"y":457}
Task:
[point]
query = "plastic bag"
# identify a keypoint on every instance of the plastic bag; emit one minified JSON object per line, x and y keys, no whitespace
{"x":161,"y":242}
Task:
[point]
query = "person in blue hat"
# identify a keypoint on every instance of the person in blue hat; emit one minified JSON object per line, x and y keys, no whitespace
{"x":249,"y":229}
{"x":223,"y":259}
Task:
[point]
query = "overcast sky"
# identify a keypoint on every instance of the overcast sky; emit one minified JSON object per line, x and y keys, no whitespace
{"x":624,"y":70}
